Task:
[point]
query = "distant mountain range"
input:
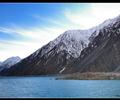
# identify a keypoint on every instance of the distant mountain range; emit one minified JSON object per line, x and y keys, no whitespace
{"x":9,"y":62}
{"x":93,"y":50}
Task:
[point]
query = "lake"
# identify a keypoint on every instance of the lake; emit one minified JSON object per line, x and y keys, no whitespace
{"x":48,"y":87}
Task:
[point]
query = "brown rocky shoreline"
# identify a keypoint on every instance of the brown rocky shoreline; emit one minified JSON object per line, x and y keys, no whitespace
{"x":91,"y":76}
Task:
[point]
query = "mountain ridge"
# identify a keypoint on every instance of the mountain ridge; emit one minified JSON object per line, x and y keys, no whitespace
{"x":69,"y":48}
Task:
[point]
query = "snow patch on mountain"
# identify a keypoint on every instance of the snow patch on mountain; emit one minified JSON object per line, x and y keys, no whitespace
{"x":62,"y":70}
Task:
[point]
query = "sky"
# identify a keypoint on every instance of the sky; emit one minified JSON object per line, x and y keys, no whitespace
{"x":26,"y":27}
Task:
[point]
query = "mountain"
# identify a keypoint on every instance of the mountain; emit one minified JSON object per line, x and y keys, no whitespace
{"x":9,"y":62}
{"x":51,"y":58}
{"x":103,"y":51}
{"x":96,"y":49}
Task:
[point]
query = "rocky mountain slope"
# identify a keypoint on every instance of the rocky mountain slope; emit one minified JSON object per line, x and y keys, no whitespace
{"x":93,"y":50}
{"x":103,"y":52}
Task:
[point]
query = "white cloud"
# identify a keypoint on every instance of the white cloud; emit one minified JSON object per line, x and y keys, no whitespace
{"x":38,"y":36}
{"x":62,"y":23}
{"x":16,"y":48}
{"x":96,"y":14}
{"x":78,"y":19}
{"x":105,"y":10}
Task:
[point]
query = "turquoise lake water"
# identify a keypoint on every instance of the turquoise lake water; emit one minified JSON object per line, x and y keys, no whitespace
{"x":48,"y":87}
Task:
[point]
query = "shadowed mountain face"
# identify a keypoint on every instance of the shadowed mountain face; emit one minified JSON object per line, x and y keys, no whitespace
{"x":103,"y":52}
{"x":93,"y":50}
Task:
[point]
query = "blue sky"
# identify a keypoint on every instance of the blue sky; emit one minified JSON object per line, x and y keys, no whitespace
{"x":25,"y":27}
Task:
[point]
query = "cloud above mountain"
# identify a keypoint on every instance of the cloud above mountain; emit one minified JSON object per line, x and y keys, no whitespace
{"x":26,"y":27}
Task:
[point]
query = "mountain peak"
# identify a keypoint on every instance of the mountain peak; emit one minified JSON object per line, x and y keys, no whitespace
{"x":10,"y":61}
{"x":81,"y":46}
{"x":12,"y":58}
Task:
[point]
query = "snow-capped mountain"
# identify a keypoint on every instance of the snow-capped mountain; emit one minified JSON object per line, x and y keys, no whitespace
{"x":103,"y":51}
{"x":9,"y":62}
{"x":52,"y":57}
{"x":72,"y":41}
{"x":72,"y":51}
{"x":106,"y":25}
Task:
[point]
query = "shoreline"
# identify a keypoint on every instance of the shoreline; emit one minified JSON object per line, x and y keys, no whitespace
{"x":91,"y":76}
{"x":78,"y":76}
